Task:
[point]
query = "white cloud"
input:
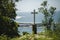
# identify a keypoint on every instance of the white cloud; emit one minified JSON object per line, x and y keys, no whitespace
{"x":30,"y":5}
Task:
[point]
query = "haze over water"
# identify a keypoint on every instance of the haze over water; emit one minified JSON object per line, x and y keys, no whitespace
{"x":27,"y":17}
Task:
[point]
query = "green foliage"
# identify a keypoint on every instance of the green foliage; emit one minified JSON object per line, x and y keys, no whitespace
{"x":52,"y":9}
{"x":44,"y":3}
{"x":34,"y":37}
{"x":6,"y":9}
{"x":48,"y":14}
{"x":7,"y":15}
{"x":49,"y":21}
{"x":56,"y":33}
{"x":24,"y":33}
{"x":4,"y":37}
{"x":8,"y":27}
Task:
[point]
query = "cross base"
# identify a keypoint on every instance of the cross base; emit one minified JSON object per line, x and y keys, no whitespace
{"x":34,"y":28}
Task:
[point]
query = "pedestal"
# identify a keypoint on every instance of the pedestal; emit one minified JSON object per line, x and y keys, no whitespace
{"x":34,"y":28}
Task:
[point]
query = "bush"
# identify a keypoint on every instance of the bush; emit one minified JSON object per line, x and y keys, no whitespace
{"x":34,"y":37}
{"x":25,"y":33}
{"x":4,"y":37}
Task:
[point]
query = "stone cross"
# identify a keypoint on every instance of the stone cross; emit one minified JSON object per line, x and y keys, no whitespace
{"x":34,"y":29}
{"x":34,"y":12}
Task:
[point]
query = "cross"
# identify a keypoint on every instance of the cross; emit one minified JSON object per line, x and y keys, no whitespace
{"x":34,"y":15}
{"x":34,"y":29}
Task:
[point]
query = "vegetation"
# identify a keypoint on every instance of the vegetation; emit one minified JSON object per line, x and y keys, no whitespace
{"x":9,"y":28}
{"x":49,"y":21}
{"x":31,"y":37}
{"x":7,"y":15}
{"x":48,"y":14}
{"x":26,"y":37}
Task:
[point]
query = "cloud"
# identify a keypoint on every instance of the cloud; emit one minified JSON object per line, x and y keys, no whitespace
{"x":30,"y":5}
{"x":18,"y":17}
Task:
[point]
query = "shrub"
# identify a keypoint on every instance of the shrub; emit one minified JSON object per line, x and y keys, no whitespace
{"x":4,"y":37}
{"x":25,"y":33}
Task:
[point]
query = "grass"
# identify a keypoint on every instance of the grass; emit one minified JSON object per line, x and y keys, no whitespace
{"x":33,"y":37}
{"x":39,"y":36}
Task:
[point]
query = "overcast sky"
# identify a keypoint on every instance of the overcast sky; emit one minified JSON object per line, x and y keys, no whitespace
{"x":30,"y":5}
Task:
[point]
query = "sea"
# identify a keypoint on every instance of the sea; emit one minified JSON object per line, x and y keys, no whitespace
{"x":28,"y":17}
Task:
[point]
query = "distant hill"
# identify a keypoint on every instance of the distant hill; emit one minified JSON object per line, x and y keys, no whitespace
{"x":28,"y":17}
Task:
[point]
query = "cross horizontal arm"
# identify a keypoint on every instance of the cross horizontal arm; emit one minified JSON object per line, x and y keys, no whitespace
{"x":34,"y":13}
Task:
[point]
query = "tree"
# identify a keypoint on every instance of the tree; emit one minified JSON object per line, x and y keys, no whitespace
{"x":49,"y":21}
{"x":48,"y":14}
{"x":7,"y":16}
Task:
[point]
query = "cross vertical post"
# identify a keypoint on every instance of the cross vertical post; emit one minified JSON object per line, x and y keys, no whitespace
{"x":34,"y":27}
{"x":34,"y":16}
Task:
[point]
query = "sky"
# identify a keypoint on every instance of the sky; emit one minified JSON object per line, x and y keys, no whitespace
{"x":30,"y":5}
